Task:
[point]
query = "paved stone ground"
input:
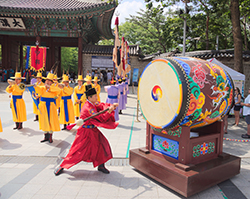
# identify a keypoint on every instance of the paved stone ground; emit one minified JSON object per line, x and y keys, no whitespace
{"x":26,"y":165}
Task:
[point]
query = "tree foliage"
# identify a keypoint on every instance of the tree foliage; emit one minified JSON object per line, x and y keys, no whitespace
{"x":222,"y":18}
{"x":69,"y":59}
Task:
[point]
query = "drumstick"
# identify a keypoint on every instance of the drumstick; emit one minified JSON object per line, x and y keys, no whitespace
{"x":69,"y":127}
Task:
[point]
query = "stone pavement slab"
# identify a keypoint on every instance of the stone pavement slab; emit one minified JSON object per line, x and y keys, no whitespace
{"x":26,"y":165}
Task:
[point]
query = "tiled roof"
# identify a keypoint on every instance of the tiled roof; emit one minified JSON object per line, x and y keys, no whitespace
{"x":108,"y":50}
{"x":207,"y":54}
{"x":48,"y":4}
{"x":202,"y":54}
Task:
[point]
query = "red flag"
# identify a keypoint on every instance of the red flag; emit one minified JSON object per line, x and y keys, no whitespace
{"x":38,"y":58}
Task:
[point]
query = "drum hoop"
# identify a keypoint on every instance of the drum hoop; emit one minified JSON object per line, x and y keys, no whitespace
{"x":231,"y":105}
{"x":185,"y":94}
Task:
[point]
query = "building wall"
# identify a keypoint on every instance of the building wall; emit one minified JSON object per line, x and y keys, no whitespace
{"x":135,"y":63}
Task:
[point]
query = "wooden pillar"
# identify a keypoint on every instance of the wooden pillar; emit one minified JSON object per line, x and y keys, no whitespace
{"x":51,"y":54}
{"x":80,"y":47}
{"x":59,"y":73}
{"x":21,"y":56}
{"x":5,"y":52}
{"x":9,"y":43}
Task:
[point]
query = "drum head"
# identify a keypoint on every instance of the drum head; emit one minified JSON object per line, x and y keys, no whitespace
{"x":161,"y":93}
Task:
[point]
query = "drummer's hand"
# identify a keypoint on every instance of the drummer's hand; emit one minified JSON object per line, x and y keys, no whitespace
{"x":111,"y":108}
{"x":34,"y":85}
{"x":115,"y":105}
{"x":79,"y":122}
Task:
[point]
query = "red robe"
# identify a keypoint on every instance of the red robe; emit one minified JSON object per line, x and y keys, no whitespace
{"x":90,"y":145}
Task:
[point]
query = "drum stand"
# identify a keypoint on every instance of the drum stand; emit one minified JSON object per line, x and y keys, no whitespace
{"x":186,"y":165}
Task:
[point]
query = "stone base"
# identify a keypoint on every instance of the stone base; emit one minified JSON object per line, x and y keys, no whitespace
{"x":185,"y":179}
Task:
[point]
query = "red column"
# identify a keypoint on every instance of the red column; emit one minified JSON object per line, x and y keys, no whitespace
{"x":5,"y":52}
{"x":80,"y":47}
{"x":21,"y":56}
{"x":59,"y":73}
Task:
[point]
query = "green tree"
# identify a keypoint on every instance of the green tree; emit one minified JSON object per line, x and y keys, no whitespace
{"x":69,"y":59}
{"x":211,"y":7}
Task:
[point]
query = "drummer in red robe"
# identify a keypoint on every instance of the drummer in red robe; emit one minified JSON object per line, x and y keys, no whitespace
{"x":90,"y":145}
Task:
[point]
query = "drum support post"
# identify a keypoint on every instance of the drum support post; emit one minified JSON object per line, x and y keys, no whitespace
{"x":137,"y":112}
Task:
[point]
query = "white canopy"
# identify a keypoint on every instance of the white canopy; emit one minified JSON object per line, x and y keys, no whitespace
{"x":235,"y":75}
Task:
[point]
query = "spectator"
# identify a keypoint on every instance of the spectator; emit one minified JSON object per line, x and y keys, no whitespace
{"x":88,"y":73}
{"x":246,"y":114}
{"x":109,"y":76}
{"x":237,"y":106}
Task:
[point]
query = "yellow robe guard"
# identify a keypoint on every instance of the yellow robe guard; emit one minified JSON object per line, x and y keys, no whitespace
{"x":48,"y":121}
{"x":78,"y":95}
{"x":17,"y":103}
{"x":98,"y":91}
{"x":66,"y":93}
{"x":58,"y":99}
{"x":35,"y":110}
{"x":1,"y":128}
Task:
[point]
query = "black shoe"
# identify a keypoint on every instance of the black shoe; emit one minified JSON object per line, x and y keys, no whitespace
{"x":120,"y":112}
{"x":58,"y":171}
{"x":46,"y":137}
{"x":103,"y":169}
{"x":245,"y":136}
{"x":17,"y":125}
{"x":50,"y":138}
{"x":64,"y":127}
{"x":20,"y":126}
{"x":36,"y":119}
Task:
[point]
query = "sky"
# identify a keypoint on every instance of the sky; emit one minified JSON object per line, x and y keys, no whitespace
{"x":128,"y":7}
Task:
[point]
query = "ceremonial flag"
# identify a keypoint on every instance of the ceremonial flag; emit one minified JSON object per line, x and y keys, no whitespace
{"x":127,"y":58}
{"x":36,"y":58}
{"x":116,"y":50}
{"x":33,"y":95}
{"x":27,"y":57}
{"x":122,"y":65}
{"x":117,"y":40}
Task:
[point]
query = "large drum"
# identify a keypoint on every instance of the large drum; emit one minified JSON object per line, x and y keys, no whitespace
{"x":184,"y":91}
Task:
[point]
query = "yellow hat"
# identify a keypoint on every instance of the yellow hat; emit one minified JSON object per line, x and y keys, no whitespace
{"x":50,"y":76}
{"x":87,"y":78}
{"x":80,"y":78}
{"x":95,"y":79}
{"x":39,"y":75}
{"x":65,"y":78}
{"x":56,"y":78}
{"x":18,"y":76}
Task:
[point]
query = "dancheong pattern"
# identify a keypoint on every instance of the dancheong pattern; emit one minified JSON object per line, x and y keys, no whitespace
{"x":166,"y":146}
{"x":203,"y":149}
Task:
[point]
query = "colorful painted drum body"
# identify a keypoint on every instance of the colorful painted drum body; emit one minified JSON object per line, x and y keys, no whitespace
{"x":184,"y":91}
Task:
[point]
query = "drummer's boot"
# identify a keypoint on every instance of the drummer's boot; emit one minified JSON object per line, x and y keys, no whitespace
{"x":58,"y":171}
{"x":50,"y":136}
{"x":20,"y":126}
{"x":102,"y":168}
{"x":120,"y":112}
{"x":36,"y":119}
{"x":64,"y":127}
{"x":17,"y":125}
{"x":46,"y":137}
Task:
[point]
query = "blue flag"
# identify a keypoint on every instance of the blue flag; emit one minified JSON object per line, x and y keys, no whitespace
{"x":27,"y":57}
{"x":33,"y":95}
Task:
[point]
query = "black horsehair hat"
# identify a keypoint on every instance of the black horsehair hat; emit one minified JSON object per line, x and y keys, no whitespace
{"x":87,"y":87}
{"x":90,"y":92}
